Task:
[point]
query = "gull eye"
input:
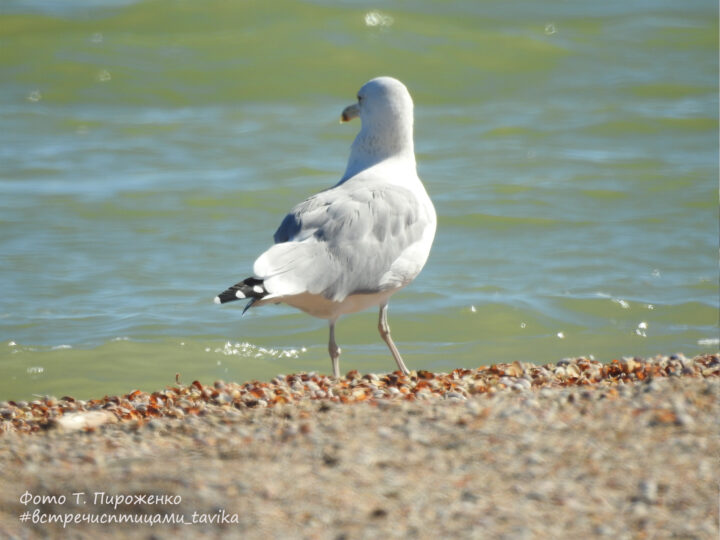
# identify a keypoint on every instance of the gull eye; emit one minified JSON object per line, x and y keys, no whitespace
{"x":359,"y":98}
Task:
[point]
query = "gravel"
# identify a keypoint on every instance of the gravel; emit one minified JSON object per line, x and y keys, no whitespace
{"x":625,"y":450}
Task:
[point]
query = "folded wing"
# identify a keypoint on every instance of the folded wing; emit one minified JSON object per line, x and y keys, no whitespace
{"x":352,"y":239}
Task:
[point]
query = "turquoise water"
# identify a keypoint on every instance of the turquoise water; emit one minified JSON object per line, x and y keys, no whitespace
{"x":149,"y":150}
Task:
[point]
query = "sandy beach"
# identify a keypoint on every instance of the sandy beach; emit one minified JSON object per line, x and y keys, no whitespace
{"x":577,"y":448}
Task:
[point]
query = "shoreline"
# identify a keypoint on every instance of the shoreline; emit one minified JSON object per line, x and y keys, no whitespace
{"x":196,"y":399}
{"x":622,"y":450}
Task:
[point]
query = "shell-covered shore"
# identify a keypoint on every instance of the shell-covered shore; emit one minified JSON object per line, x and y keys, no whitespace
{"x":195,"y":399}
{"x":578,"y":448}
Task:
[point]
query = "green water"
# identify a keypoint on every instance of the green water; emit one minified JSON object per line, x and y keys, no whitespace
{"x":149,"y":150}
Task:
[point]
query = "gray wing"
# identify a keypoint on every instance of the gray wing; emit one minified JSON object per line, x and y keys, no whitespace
{"x":343,"y":241}
{"x":298,"y":222}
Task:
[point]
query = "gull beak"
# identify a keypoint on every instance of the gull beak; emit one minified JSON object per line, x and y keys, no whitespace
{"x":350,"y":112}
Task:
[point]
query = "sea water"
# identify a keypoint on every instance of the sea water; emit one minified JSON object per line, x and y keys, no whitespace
{"x":149,"y":150}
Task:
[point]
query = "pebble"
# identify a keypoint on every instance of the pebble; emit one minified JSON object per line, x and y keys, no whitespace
{"x":648,"y":491}
{"x":84,"y":420}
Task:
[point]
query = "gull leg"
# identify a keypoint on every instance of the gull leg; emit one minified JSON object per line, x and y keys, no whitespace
{"x":334,"y":351}
{"x":384,"y":329}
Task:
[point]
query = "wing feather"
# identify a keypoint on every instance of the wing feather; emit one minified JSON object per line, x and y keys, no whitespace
{"x":346,"y":240}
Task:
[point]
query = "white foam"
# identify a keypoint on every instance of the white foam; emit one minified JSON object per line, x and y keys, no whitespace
{"x":622,"y":303}
{"x":376,"y":18}
{"x":248,"y":350}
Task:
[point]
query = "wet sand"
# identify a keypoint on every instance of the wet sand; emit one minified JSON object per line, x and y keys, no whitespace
{"x":578,"y":448}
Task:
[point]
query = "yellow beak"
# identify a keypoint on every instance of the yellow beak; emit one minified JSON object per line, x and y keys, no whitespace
{"x":350,"y":112}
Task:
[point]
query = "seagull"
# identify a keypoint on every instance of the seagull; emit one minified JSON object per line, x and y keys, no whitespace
{"x":350,"y":247}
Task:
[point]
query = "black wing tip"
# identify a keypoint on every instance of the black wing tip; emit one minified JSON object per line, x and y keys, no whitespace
{"x":225,"y":297}
{"x":250,"y":288}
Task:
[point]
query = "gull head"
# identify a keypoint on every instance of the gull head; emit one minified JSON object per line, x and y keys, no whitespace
{"x":381,"y":100}
{"x":385,"y":109}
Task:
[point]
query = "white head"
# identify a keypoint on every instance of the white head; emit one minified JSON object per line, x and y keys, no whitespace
{"x":385,"y":109}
